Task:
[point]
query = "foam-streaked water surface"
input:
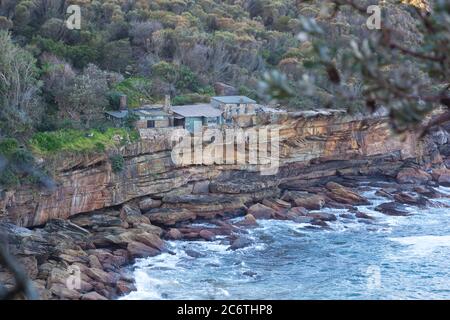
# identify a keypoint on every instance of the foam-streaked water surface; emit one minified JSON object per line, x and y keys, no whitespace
{"x":386,"y":258}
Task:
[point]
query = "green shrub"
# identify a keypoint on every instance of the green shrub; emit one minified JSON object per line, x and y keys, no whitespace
{"x":22,"y":157}
{"x":137,"y":90}
{"x":8,"y":178}
{"x":81,"y":140}
{"x":117,"y":163}
{"x":8,"y":146}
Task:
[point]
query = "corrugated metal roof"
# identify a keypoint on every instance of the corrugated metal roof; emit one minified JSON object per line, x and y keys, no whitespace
{"x":233,"y":99}
{"x":118,"y":114}
{"x":150,"y":112}
{"x":197,"y":110}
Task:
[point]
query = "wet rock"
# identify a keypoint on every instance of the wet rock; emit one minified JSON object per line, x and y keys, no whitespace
{"x":174,"y":234}
{"x":92,"y":296}
{"x":413,"y":176}
{"x":347,"y":216}
{"x":250,"y":273}
{"x":276,"y":204}
{"x":194,"y":254}
{"x":442,"y":176}
{"x":362,"y":215}
{"x":320,"y":223}
{"x":150,"y":240}
{"x":239,"y":243}
{"x":426,"y":191}
{"x":124,"y":287}
{"x":411,"y":198}
{"x":344,"y":195}
{"x":322,"y":216}
{"x":207,"y":235}
{"x":149,"y":203}
{"x":305,"y":200}
{"x":249,"y":221}
{"x":384,"y":193}
{"x":260,"y":211}
{"x":169,"y":217}
{"x":297,"y":214}
{"x":392,"y":209}
{"x":302,"y":219}
{"x":140,"y":250}
{"x":300,"y":211}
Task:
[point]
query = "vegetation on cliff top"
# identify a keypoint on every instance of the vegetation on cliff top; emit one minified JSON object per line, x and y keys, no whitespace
{"x":45,"y":143}
{"x":56,"y":83}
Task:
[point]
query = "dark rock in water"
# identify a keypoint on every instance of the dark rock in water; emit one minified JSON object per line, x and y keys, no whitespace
{"x":320,"y":223}
{"x":194,"y":254}
{"x":346,"y":216}
{"x":392,"y":209}
{"x":426,"y":191}
{"x":413,"y":176}
{"x":249,"y":221}
{"x":303,"y":219}
{"x":322,"y":216}
{"x":384,"y":193}
{"x":140,"y":250}
{"x":239,"y":243}
{"x":442,"y":176}
{"x":207,"y":235}
{"x":411,"y":198}
{"x":174,"y":234}
{"x":304,"y":199}
{"x":250,"y":273}
{"x":344,"y":195}
{"x":363,"y":215}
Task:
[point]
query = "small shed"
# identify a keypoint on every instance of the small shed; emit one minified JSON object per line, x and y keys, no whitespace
{"x":117,"y":117}
{"x":148,"y":117}
{"x":152,"y":117}
{"x":233,"y":105}
{"x":193,"y":117}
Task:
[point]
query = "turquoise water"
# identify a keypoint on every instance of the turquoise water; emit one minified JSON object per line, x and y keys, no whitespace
{"x":387,"y":258}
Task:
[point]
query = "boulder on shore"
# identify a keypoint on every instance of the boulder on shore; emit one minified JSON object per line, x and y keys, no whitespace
{"x":249,"y":221}
{"x":260,"y":211}
{"x":413,"y":176}
{"x":392,"y":209}
{"x":140,"y":250}
{"x":344,"y":195}
{"x":169,"y":217}
{"x":442,"y":176}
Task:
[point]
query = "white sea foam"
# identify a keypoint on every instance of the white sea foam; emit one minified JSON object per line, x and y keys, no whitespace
{"x":423,"y":245}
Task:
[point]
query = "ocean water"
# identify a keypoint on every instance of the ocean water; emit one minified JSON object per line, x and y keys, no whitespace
{"x":385,"y":258}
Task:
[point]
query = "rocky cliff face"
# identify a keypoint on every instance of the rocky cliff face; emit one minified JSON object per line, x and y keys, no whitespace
{"x":312,"y":145}
{"x":96,"y":222}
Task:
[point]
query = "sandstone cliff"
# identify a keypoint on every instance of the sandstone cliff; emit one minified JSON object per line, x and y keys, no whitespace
{"x":312,"y":145}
